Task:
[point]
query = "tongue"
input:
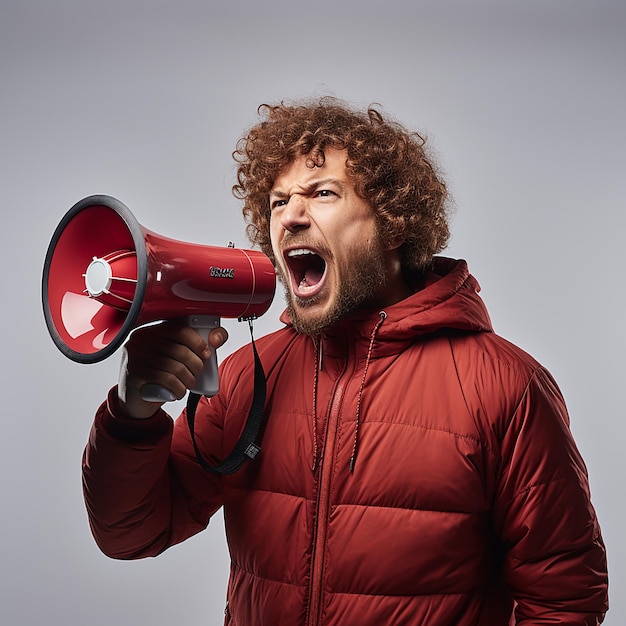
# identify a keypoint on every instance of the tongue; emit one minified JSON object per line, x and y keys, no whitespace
{"x":312,"y":276}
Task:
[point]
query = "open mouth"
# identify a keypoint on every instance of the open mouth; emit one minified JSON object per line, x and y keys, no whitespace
{"x":307,"y":270}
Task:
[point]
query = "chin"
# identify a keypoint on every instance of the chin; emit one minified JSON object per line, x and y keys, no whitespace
{"x":306,"y":321}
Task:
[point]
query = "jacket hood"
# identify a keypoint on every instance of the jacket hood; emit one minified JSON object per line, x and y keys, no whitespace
{"x":448,"y":300}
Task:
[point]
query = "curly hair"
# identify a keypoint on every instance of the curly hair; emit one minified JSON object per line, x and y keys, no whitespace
{"x":386,"y":163}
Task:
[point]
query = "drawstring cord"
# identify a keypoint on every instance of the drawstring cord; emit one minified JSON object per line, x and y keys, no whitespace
{"x":316,"y":343}
{"x":383,"y":317}
{"x":318,"y":357}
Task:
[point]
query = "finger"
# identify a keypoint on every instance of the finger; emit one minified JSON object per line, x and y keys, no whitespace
{"x":177,"y":333}
{"x":218,"y":337}
{"x":161,"y":361}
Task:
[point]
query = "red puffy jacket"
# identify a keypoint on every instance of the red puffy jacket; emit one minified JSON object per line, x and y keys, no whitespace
{"x":416,"y":469}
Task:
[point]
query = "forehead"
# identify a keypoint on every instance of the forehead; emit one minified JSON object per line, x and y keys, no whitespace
{"x":302,"y":172}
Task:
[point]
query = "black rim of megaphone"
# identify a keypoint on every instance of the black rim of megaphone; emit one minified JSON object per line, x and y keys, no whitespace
{"x":142,"y":266}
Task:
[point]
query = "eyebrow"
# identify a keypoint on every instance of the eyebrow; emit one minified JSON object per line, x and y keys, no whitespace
{"x":310,"y":187}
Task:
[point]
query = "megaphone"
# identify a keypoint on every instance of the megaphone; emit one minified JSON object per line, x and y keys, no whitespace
{"x":105,"y":275}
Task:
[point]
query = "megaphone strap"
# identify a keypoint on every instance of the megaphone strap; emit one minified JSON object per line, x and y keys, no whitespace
{"x":246,"y":447}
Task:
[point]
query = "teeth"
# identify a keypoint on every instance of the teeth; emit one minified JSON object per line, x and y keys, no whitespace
{"x":299,"y":252}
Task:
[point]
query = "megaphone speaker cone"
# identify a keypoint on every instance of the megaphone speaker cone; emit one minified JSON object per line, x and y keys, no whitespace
{"x":88,"y":329}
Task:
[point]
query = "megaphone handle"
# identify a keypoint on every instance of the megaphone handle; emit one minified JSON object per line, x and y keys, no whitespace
{"x":206,"y":383}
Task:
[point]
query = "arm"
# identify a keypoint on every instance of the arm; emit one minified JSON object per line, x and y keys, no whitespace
{"x":142,"y":494}
{"x":143,"y":490}
{"x":555,"y":561}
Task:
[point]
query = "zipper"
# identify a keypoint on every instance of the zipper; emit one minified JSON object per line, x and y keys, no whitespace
{"x":320,"y":530}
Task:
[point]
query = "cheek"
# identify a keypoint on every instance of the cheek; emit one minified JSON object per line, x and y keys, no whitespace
{"x":274,"y":238}
{"x":357,"y":235}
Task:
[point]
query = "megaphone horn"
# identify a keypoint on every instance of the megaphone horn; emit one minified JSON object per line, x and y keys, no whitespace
{"x":105,"y":274}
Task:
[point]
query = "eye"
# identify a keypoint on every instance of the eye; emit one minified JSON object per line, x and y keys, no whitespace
{"x":325,"y":193}
{"x":277,"y":203}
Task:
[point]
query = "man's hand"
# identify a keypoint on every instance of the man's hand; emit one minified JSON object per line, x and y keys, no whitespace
{"x":167,"y":354}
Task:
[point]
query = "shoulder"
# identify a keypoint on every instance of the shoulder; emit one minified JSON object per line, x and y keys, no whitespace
{"x":497,"y":377}
{"x":490,"y":357}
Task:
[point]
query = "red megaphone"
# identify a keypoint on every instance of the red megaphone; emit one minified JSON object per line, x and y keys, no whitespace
{"x":105,"y":274}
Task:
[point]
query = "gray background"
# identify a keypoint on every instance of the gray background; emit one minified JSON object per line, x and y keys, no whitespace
{"x":144,"y":100}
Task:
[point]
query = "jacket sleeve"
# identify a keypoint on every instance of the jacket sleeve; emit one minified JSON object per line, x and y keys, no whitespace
{"x":555,"y":561}
{"x":144,"y":490}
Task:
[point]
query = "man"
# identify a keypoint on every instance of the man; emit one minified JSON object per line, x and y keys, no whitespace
{"x":416,"y":468}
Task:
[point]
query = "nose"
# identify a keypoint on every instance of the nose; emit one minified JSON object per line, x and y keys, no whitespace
{"x":295,"y":215}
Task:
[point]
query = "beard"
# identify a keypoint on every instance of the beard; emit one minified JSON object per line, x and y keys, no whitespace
{"x":358,"y":285}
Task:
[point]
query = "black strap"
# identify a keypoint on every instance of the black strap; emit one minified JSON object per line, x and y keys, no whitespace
{"x":245,"y":448}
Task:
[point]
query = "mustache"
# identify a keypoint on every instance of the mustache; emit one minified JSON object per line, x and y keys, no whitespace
{"x":294,"y":240}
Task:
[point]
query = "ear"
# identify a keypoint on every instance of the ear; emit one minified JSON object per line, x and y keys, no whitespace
{"x":392,"y":233}
{"x":393,"y":241}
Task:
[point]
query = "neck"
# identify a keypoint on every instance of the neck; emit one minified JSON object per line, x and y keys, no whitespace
{"x":396,"y":288}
